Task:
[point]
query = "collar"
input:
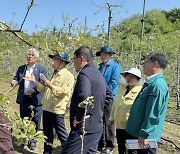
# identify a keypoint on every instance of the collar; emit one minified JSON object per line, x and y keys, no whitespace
{"x":107,"y":64}
{"x":90,"y":64}
{"x":61,"y":70}
{"x":136,"y":88}
{"x":32,"y":66}
{"x":154,"y":77}
{"x":149,"y":77}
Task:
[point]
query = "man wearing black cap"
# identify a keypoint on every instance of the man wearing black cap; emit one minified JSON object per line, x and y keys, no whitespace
{"x":111,"y":72}
{"x":57,"y":93}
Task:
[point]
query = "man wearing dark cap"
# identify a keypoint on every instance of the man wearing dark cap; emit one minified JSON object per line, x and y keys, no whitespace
{"x":57,"y":93}
{"x":111,"y":72}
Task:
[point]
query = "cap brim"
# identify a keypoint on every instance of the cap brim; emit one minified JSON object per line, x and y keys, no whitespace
{"x":123,"y":74}
{"x":51,"y":56}
{"x":67,"y":62}
{"x":99,"y":52}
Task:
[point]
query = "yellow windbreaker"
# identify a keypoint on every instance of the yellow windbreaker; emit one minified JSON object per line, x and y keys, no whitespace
{"x":122,"y":105}
{"x":55,"y":100}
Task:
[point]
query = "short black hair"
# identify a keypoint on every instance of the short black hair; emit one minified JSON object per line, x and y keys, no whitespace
{"x":85,"y":52}
{"x":160,"y":58}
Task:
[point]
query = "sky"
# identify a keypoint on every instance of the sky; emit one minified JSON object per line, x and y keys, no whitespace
{"x":48,"y":13}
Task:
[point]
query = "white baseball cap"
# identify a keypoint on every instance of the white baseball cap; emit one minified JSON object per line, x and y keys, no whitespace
{"x":134,"y":71}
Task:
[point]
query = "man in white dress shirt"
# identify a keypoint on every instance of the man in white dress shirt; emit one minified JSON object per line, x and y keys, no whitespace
{"x":27,"y":93}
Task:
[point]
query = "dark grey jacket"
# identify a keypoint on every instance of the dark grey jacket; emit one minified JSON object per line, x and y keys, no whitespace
{"x":90,"y":82}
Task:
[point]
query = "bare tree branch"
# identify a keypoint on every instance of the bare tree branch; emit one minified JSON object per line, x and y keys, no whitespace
{"x":29,"y":7}
{"x":9,"y":29}
{"x":14,"y":32}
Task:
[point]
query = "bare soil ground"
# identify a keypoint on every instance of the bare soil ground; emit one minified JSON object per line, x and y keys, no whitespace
{"x":171,"y":131}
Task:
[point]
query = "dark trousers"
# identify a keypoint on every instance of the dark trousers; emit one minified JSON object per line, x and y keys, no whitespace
{"x":56,"y":121}
{"x":26,"y":111}
{"x":107,"y":138}
{"x":74,"y":143}
{"x":122,"y":136}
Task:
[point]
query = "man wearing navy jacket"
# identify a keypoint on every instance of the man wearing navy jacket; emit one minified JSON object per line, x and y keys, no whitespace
{"x":27,"y":93}
{"x":90,"y":82}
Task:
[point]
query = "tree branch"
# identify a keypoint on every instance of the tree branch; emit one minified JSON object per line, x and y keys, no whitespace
{"x":29,"y":7}
{"x":9,"y":29}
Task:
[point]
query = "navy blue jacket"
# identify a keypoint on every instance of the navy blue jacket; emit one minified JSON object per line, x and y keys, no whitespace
{"x":90,"y":82}
{"x":21,"y":72}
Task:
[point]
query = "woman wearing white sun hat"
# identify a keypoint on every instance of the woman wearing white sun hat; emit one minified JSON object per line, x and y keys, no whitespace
{"x":122,"y":104}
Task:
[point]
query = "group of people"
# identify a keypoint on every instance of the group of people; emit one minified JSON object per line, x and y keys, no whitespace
{"x":135,"y":112}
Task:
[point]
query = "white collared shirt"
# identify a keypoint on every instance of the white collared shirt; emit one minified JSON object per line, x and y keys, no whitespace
{"x":149,"y":77}
{"x":28,"y":84}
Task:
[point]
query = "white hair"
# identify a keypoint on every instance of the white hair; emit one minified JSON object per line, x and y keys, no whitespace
{"x":36,"y":52}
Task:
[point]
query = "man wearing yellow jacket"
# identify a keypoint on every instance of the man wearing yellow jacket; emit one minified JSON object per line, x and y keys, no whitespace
{"x":57,"y":94}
